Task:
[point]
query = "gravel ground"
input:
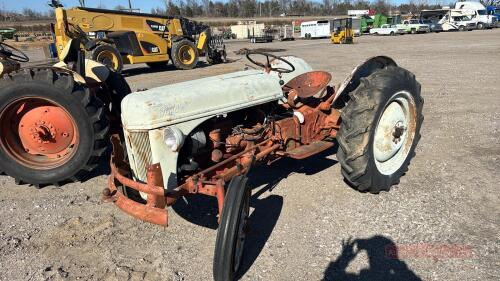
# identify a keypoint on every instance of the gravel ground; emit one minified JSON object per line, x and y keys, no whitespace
{"x":307,"y":224}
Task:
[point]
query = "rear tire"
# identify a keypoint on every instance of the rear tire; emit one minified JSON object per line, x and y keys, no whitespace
{"x":109,"y":56}
{"x":380,"y":129}
{"x":231,"y":234}
{"x":184,"y":54}
{"x":80,"y":105}
{"x":413,"y":31}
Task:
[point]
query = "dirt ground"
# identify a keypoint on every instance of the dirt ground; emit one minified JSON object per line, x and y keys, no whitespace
{"x":307,"y":224}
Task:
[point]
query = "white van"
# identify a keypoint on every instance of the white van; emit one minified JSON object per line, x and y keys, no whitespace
{"x":315,"y":29}
{"x":477,"y":12}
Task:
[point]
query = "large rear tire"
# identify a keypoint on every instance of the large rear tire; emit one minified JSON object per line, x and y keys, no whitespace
{"x":184,"y":54}
{"x":232,"y":230}
{"x":109,"y":56}
{"x":380,"y":129}
{"x":53,"y":130}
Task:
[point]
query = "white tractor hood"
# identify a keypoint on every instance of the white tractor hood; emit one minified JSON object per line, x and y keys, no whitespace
{"x":181,"y":102}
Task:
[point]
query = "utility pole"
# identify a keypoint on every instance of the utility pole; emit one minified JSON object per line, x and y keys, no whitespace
{"x":130,"y":5}
{"x":82,"y":3}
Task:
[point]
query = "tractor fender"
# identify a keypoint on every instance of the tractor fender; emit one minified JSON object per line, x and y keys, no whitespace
{"x":363,"y":70}
{"x":95,"y":70}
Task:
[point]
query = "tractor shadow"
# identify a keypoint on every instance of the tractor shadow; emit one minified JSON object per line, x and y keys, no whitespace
{"x":202,"y":210}
{"x":383,"y":259}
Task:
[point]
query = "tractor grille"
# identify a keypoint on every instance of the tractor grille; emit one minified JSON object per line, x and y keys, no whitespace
{"x":139,"y":153}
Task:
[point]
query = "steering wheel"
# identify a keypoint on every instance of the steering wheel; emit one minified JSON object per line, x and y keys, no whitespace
{"x":268,"y":66}
{"x":12,"y":53}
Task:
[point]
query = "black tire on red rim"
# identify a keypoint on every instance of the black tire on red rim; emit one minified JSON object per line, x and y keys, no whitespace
{"x":73,"y":137}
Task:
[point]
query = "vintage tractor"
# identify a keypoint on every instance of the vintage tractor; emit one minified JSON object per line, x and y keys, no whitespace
{"x":194,"y":137}
{"x":55,"y":121}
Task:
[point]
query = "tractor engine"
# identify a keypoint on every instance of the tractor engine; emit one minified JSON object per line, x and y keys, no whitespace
{"x":299,"y":125}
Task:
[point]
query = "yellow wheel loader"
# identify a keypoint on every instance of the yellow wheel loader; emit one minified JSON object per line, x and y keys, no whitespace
{"x":115,"y":38}
{"x":342,"y":31}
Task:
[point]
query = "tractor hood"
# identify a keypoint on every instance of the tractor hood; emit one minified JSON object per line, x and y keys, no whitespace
{"x":181,"y":102}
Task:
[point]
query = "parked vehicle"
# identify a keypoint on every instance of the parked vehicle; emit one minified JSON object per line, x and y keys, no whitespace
{"x":477,"y":13}
{"x":366,"y":23}
{"x":342,"y":31}
{"x":433,"y":26}
{"x":265,"y":36}
{"x":315,"y":29}
{"x":7,"y":33}
{"x":356,"y":26}
{"x":285,"y":32}
{"x":206,"y":140}
{"x":495,"y":12}
{"x":387,"y":29}
{"x":132,"y":38}
{"x":454,"y":20}
{"x":414,"y":26}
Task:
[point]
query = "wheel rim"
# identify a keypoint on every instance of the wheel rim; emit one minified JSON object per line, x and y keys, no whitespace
{"x":186,"y":54}
{"x":108,"y":58}
{"x":394,"y":133}
{"x":38,"y":133}
{"x":241,"y":234}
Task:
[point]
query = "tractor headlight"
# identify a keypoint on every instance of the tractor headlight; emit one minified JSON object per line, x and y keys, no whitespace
{"x":173,"y":138}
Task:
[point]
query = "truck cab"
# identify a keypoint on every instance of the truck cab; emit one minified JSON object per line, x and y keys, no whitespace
{"x":478,"y":14}
{"x":494,"y":11}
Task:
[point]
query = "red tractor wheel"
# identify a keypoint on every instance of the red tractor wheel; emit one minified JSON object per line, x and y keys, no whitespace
{"x":52,"y":129}
{"x":38,"y":133}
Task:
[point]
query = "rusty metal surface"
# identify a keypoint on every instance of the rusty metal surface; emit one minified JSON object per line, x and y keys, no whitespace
{"x":309,"y":84}
{"x":155,"y":181}
{"x":137,"y":210}
{"x":154,"y":210}
{"x":38,"y":132}
{"x":305,"y":151}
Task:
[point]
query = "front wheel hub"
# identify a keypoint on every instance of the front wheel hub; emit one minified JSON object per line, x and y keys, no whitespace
{"x":38,"y":133}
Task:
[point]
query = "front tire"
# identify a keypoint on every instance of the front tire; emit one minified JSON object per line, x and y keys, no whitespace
{"x":109,"y":56}
{"x":184,"y":54}
{"x":232,"y":230}
{"x":380,"y":129}
{"x":53,"y":130}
